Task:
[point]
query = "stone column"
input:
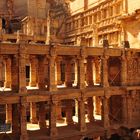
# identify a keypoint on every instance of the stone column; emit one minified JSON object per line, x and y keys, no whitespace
{"x":59,"y":111}
{"x":52,"y":118}
{"x":106,"y":121}
{"x":76,"y":108}
{"x":90,"y":72}
{"x":124,"y":108}
{"x":69,"y":112}
{"x":23,"y":121}
{"x":76,"y":74}
{"x":59,"y":82}
{"x":22,"y":68}
{"x":8,"y":113}
{"x":105,"y":71}
{"x":1,"y":71}
{"x":33,"y":113}
{"x":124,"y":71}
{"x":42,"y":116}
{"x":129,"y":107}
{"x":15,"y":73}
{"x":41,"y":72}
{"x":81,"y":73}
{"x":97,"y":105}
{"x":90,"y":109}
{"x":33,"y":71}
{"x":7,"y":83}
{"x":15,"y":119}
{"x":52,"y":81}
{"x":0,"y":25}
{"x":68,"y":73}
{"x":97,"y":71}
{"x":81,"y":115}
{"x":124,"y":5}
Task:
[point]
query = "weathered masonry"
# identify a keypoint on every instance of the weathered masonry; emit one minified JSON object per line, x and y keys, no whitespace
{"x":79,"y":67}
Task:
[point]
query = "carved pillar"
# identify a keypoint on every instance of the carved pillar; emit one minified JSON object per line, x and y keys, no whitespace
{"x":59,"y":82}
{"x":23,"y":121}
{"x":90,"y":72}
{"x":33,"y":71}
{"x":76,"y":108}
{"x":81,"y":73}
{"x":105,"y":112}
{"x":52,"y":80}
{"x":48,"y":25}
{"x":129,"y":107}
{"x":1,"y":71}
{"x":15,"y":73}
{"x":124,"y":71}
{"x":76,"y":74}
{"x":90,"y":109}
{"x":98,"y":71}
{"x":81,"y":115}
{"x":7,"y":83}
{"x":0,"y":25}
{"x":124,"y":6}
{"x":8,"y":113}
{"x":68,"y":73}
{"x":59,"y":111}
{"x":41,"y":72}
{"x":15,"y":119}
{"x":52,"y":118}
{"x":105,"y":71}
{"x":69,"y":112}
{"x":124,"y":108}
{"x":42,"y":116}
{"x":33,"y":113}
{"x":22,"y":69}
{"x":97,"y":105}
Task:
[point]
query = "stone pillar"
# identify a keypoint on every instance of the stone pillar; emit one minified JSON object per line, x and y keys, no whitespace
{"x":90,"y":72}
{"x":129,"y":107}
{"x":52,"y":80}
{"x":22,"y":68}
{"x":7,"y":83}
{"x":76,"y":74}
{"x":41,"y":72}
{"x":1,"y":71}
{"x":0,"y":25}
{"x":81,"y":115}
{"x":33,"y":71}
{"x":48,"y":25}
{"x":42,"y":116}
{"x":23,"y":121}
{"x":59,"y":111}
{"x":8,"y":113}
{"x":98,"y":71}
{"x":90,"y":109}
{"x":69,"y":112}
{"x":105,"y":104}
{"x":52,"y":118}
{"x":59,"y":82}
{"x":124,"y":71}
{"x":124,"y":109}
{"x":81,"y":73}
{"x":15,"y":73}
{"x":124,"y":5}
{"x":97,"y":105}
{"x":68,"y":73}
{"x":105,"y":71}
{"x":76,"y":108}
{"x":15,"y":119}
{"x":33,"y":113}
